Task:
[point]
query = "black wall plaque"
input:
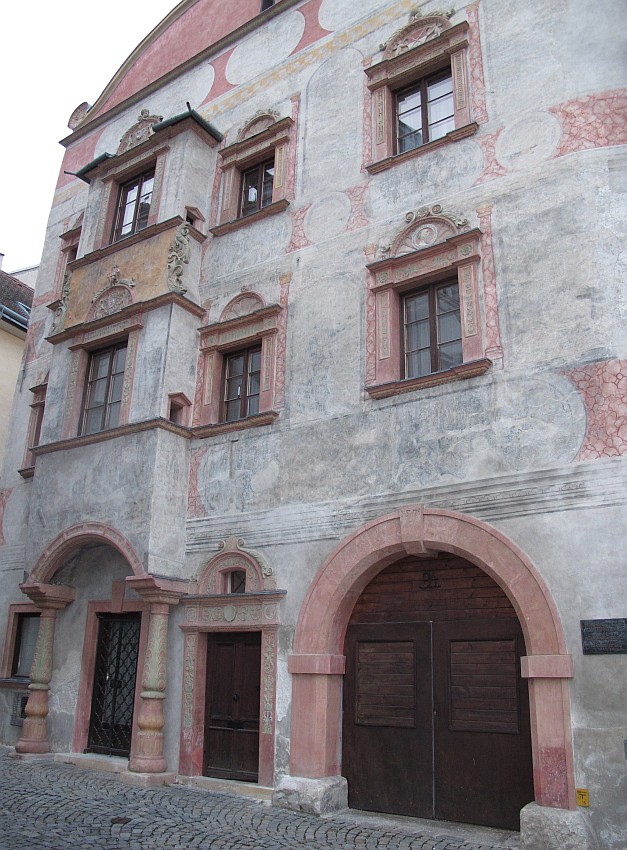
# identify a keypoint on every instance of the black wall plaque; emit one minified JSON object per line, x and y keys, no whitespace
{"x":604,"y":637}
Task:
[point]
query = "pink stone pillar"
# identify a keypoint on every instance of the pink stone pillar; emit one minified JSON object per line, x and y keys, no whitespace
{"x":34,"y":737}
{"x":316,"y":714}
{"x":50,"y":599}
{"x":147,"y":756}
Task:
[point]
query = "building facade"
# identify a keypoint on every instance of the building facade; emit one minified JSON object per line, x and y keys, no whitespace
{"x":324,"y":481}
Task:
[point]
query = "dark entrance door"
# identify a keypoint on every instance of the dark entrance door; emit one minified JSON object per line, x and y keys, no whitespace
{"x":113,"y":697}
{"x":436,"y":715}
{"x":232,"y":706}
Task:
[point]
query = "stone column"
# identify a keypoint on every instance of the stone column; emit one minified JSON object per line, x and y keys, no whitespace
{"x":34,"y":738}
{"x":147,"y":747}
{"x":147,"y":756}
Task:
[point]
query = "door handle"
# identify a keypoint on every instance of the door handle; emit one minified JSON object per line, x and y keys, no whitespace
{"x":235,"y":697}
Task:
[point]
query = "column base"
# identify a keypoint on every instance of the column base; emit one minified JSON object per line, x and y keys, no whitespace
{"x":314,"y":796}
{"x":147,"y":780}
{"x":43,"y":756}
{"x":543,"y":828}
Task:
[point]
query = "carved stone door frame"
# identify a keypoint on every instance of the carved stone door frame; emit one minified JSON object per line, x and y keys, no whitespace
{"x":255,"y":612}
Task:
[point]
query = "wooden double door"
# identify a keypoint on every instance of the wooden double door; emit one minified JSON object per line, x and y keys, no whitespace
{"x":232,"y":701}
{"x":436,"y":720}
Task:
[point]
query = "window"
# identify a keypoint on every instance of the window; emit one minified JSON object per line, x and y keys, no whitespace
{"x":103,"y":389}
{"x":420,"y":92}
{"x":236,"y":581}
{"x":266,"y":4}
{"x":432,"y":330}
{"x":257,"y":187}
{"x":242,"y":367}
{"x":257,"y":173}
{"x":425,"y":112}
{"x":133,"y":206}
{"x":242,"y":382}
{"x":34,"y":427}
{"x":24,"y":650}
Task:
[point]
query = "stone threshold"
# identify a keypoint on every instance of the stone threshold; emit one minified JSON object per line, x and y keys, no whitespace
{"x":227,"y":786}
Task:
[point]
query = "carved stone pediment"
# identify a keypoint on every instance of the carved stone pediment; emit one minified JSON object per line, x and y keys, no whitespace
{"x":242,"y":305}
{"x":258,"y":123}
{"x":428,"y":226}
{"x":139,"y":132}
{"x":418,"y":31}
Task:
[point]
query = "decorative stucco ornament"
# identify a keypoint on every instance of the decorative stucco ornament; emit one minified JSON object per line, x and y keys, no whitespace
{"x":139,"y":132}
{"x":179,"y":253}
{"x":60,"y":312}
{"x":113,"y":297}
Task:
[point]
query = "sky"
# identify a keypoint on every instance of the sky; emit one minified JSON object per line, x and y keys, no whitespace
{"x":54,"y":56}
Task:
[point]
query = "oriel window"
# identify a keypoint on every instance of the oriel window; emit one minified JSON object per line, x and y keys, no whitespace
{"x":134,"y":205}
{"x":103,"y":390}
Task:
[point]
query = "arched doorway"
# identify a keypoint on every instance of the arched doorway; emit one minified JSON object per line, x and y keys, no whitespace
{"x":435,"y":711}
{"x":317,"y":663}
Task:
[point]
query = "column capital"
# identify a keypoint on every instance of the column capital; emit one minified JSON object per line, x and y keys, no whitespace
{"x":160,"y":590}
{"x":56,"y":596}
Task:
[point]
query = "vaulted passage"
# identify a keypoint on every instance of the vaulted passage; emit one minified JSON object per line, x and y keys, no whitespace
{"x":436,"y":715}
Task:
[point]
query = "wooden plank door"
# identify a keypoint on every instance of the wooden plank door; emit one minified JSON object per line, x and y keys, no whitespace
{"x":436,"y":720}
{"x":483,"y":769}
{"x":387,"y":728}
{"x":113,"y":695}
{"x":231,"y":748}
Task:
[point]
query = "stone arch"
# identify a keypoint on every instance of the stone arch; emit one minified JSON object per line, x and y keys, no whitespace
{"x":233,"y":556}
{"x":57,"y":552}
{"x":317,"y":663}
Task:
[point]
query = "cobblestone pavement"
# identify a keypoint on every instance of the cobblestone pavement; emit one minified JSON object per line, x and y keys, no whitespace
{"x":50,"y":806}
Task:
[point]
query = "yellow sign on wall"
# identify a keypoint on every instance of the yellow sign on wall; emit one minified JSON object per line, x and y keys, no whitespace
{"x":583,"y":796}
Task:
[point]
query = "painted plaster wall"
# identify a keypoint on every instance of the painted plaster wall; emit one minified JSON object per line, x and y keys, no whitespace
{"x":11,"y":348}
{"x":504,"y":447}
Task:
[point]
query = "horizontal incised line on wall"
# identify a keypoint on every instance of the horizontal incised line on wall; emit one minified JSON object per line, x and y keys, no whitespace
{"x":576,"y":487}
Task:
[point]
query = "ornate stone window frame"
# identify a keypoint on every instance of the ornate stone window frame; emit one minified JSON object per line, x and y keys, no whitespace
{"x":209,"y":608}
{"x":433,"y":247}
{"x":264,"y":136}
{"x":426,"y":45}
{"x":37,"y":406}
{"x":245,"y":320}
{"x":10,"y":640}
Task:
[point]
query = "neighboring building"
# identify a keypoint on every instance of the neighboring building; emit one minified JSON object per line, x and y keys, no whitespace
{"x":328,"y":338}
{"x":16,"y":299}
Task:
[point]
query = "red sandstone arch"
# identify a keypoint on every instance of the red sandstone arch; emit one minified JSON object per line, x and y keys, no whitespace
{"x":317,"y":663}
{"x":57,"y":552}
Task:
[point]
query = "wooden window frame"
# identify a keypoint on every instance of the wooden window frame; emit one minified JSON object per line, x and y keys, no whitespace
{"x":401,"y":69}
{"x":138,"y":180}
{"x":244,"y":397}
{"x":434,"y":342}
{"x":261,"y":170}
{"x":422,"y":86}
{"x":111,"y":350}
